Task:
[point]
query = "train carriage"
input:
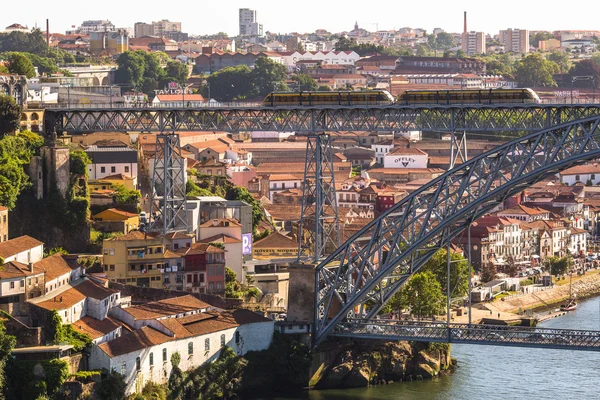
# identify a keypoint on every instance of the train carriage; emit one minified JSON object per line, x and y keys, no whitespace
{"x":337,"y":98}
{"x":468,"y":96}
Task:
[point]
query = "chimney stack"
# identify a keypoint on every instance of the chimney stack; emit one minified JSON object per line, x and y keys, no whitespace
{"x":30,"y":265}
{"x":48,"y":33}
{"x":465,"y":28}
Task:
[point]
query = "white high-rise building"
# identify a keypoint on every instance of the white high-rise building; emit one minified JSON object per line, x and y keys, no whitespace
{"x":248,"y":24}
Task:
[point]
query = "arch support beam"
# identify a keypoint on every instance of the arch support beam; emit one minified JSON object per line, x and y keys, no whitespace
{"x":365,"y":272}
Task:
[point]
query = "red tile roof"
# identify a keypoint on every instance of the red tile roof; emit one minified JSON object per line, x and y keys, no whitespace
{"x":137,"y":340}
{"x":54,"y":266}
{"x":76,"y":294}
{"x":166,"y":307}
{"x":17,"y":245}
{"x":95,"y":328}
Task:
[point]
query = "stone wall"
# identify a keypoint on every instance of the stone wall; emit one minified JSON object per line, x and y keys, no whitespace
{"x":145,"y":294}
{"x":302,"y":291}
{"x":58,"y":171}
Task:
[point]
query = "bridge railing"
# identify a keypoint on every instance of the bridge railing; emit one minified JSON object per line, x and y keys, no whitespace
{"x":465,"y":333}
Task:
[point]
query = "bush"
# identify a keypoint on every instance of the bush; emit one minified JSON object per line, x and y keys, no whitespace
{"x":112,"y":387}
{"x":85,"y":376}
{"x":24,"y":384}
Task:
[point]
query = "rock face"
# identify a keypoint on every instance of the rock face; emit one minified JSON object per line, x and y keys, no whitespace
{"x":362,"y":364}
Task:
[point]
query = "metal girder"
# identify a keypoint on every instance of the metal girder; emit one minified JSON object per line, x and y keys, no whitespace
{"x":168,"y":205}
{"x":501,"y":335}
{"x":319,"y":230}
{"x":366,"y":271}
{"x":519,"y":118}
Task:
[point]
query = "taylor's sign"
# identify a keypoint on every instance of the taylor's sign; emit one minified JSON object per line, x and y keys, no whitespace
{"x":173,"y":88}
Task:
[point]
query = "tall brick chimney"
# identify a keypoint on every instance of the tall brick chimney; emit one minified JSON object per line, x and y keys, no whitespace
{"x":465,"y":28}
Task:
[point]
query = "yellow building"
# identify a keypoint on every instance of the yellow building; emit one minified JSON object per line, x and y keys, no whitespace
{"x":114,"y":220}
{"x":275,"y":245}
{"x":108,"y":182}
{"x":550,"y":44}
{"x":140,"y":259}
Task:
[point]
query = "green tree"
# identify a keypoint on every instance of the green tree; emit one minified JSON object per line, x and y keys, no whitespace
{"x":131,"y":68}
{"x":57,"y":250}
{"x":13,"y":180}
{"x":423,"y":294}
{"x":178,"y":72}
{"x":534,"y":40}
{"x":268,"y":76}
{"x":511,"y":268}
{"x":191,"y":189}
{"x":324,"y":88}
{"x":559,"y":265}
{"x":423,"y":50}
{"x":126,"y":196}
{"x":460,"y":54}
{"x":10,"y":115}
{"x":231,"y":83}
{"x":3,"y":69}
{"x":444,"y":40}
{"x":586,"y":68}
{"x":535,"y":71}
{"x":21,"y":65}
{"x":79,"y":160}
{"x":561,"y":59}
{"x":112,"y":387}
{"x":7,"y":343}
{"x":232,"y":286}
{"x":305,"y":82}
{"x":56,"y":331}
{"x":459,"y":271}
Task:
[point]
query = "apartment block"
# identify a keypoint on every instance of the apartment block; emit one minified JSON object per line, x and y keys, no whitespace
{"x":515,"y":40}
{"x":473,"y":43}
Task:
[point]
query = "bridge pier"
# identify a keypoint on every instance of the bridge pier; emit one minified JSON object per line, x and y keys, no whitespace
{"x":301,"y":295}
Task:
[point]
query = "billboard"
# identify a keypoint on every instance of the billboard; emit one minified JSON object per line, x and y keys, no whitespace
{"x":246,"y":244}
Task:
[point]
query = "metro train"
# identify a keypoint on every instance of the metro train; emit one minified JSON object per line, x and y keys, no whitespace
{"x":408,"y":97}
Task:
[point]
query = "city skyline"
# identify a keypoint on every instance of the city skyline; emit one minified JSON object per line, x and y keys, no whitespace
{"x":313,"y":15}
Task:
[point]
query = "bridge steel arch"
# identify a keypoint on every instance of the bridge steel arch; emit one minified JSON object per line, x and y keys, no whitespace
{"x":366,"y":271}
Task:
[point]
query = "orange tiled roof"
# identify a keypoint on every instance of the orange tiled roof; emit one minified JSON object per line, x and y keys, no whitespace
{"x":54,"y":266}
{"x":95,"y":328}
{"x":17,"y":245}
{"x":166,"y":307}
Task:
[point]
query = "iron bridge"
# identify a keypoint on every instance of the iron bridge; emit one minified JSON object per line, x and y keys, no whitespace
{"x":521,"y":118}
{"x":365,"y":272}
{"x":515,"y":336}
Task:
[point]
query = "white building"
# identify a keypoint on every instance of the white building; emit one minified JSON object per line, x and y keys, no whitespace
{"x":108,"y":161}
{"x":145,"y":354}
{"x":281,"y":182}
{"x":248,"y":23}
{"x":589,"y":173}
{"x":326,"y":57}
{"x":23,"y":249}
{"x":403,"y":157}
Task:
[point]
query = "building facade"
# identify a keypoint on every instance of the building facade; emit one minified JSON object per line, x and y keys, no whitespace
{"x":473,"y":43}
{"x":515,"y":40}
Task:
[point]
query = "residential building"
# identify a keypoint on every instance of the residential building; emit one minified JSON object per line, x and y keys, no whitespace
{"x":233,"y":255}
{"x":3,"y":224}
{"x":107,"y":161}
{"x":206,"y":209}
{"x":142,"y":29}
{"x":393,"y":176}
{"x":18,"y":283}
{"x":217,"y":226}
{"x":280,"y":182}
{"x":588,"y":174}
{"x":211,"y":167}
{"x":274,"y":246}
{"x":178,"y":100}
{"x":205,"y":268}
{"x":293,"y":59}
{"x":115,"y":220}
{"x":110,"y":181}
{"x":23,"y":249}
{"x":553,"y":237}
{"x":95,"y":26}
{"x":387,"y":198}
{"x":141,"y":259}
{"x":549,"y":45}
{"x":473,"y":43}
{"x":109,"y":43}
{"x":524,"y":213}
{"x":144,"y":355}
{"x":248,"y":23}
{"x":515,"y":40}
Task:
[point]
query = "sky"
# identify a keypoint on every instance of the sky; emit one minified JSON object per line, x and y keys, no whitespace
{"x":205,"y":17}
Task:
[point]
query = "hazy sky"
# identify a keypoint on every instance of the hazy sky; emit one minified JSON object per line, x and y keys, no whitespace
{"x":203,"y":17}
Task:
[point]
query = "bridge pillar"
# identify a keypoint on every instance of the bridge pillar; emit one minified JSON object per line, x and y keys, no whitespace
{"x":301,"y":294}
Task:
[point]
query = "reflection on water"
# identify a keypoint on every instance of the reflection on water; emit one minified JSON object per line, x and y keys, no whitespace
{"x":493,"y":372}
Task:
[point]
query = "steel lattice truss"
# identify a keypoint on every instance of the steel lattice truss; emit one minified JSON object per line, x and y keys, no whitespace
{"x":168,"y":201}
{"x":366,"y":271}
{"x":474,"y":334}
{"x":471,"y":118}
{"x":319,"y":232}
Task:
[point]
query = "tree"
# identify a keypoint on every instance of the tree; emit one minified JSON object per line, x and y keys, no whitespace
{"x":268,"y":76}
{"x":535,"y":71}
{"x":423,"y":51}
{"x":534,"y":40}
{"x":561,"y":59}
{"x":3,"y":69}
{"x":460,"y":54}
{"x":559,"y":265}
{"x":178,"y":72}
{"x":231,"y":83}
{"x":488,"y":272}
{"x":459,"y":271}
{"x":324,"y":88}
{"x":7,"y":343}
{"x":78,"y":162}
{"x":57,"y":250}
{"x":305,"y":82}
{"x":423,"y":294}
{"x":444,"y":40}
{"x":232,"y":287}
{"x":21,"y":65}
{"x":10,"y":115}
{"x":131,"y":68}
{"x":510,"y":268}
{"x":112,"y":387}
{"x":586,"y":68}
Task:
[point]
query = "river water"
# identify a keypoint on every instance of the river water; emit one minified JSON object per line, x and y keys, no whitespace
{"x":492,"y":372}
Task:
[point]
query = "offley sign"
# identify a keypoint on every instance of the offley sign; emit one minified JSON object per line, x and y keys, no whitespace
{"x":173,"y":88}
{"x":405,"y":161}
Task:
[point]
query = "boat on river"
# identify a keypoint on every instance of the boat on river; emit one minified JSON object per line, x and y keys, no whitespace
{"x":571,"y":304}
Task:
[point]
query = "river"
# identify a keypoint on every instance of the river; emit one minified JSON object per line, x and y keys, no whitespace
{"x":492,"y":372}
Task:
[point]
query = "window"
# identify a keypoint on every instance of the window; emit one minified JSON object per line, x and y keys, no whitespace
{"x":123,"y":368}
{"x":164,"y":355}
{"x":103,"y":170}
{"x":593,"y":176}
{"x":222,"y":340}
{"x":211,"y":271}
{"x":189,"y":278}
{"x":105,"y":303}
{"x":191,"y":348}
{"x":111,"y":252}
{"x":207,"y":344}
{"x":127,"y":168}
{"x":576,"y":177}
{"x":12,"y":285}
{"x":112,"y":267}
{"x":22,"y":283}
{"x":138,"y":363}
{"x":113,"y":170}
{"x":237,"y":337}
{"x":151,"y":359}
